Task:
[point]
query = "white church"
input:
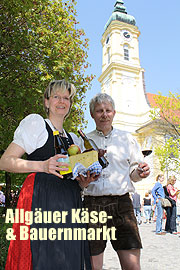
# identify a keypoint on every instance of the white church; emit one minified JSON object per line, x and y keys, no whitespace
{"x":123,"y":78}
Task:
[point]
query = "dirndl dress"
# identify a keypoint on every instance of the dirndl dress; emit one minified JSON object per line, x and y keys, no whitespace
{"x":46,"y":192}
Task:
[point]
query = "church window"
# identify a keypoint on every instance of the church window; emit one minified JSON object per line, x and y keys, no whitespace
{"x":107,"y":40}
{"x":126,"y":52}
{"x":108,"y":56}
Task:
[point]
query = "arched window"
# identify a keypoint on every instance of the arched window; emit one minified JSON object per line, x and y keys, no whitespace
{"x":126,"y":52}
{"x":107,"y":39}
{"x":108,"y":56}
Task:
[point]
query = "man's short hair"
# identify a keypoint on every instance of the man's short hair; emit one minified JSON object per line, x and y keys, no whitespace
{"x":100,"y":98}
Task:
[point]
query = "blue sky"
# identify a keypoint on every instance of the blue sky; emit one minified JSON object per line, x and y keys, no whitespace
{"x":159,"y":42}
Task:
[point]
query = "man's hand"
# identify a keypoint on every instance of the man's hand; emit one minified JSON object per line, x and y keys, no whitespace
{"x":84,"y":181}
{"x":143,"y":170}
{"x":101,"y":152}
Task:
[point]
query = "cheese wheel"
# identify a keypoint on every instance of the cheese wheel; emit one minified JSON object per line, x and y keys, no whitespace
{"x":86,"y":159}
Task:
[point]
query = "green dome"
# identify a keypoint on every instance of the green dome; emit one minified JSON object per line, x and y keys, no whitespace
{"x":120,"y":14}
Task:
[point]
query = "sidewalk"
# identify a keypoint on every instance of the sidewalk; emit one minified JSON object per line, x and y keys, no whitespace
{"x":160,"y":252}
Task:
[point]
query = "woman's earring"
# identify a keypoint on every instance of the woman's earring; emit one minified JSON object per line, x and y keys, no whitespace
{"x":47,"y":110}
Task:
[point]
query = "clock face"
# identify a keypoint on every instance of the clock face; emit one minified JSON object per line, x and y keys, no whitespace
{"x":127,"y":35}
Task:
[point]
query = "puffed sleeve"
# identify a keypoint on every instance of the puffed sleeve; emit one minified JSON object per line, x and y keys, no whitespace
{"x":31,"y":133}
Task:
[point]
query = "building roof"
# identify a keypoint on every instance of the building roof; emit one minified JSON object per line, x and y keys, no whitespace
{"x":151,"y":99}
{"x":120,"y":14}
{"x":169,"y":110}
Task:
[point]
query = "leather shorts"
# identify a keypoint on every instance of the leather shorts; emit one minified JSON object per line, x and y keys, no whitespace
{"x":123,"y":219}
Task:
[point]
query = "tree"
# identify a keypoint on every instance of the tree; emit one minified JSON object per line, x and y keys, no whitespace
{"x":40,"y":41}
{"x":167,"y":115}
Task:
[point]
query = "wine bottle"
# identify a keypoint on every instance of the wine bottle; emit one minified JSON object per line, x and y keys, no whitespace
{"x":90,"y":144}
{"x":58,"y":146}
{"x":60,"y":149}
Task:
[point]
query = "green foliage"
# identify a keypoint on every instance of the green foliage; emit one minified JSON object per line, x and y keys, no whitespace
{"x":167,"y":112}
{"x":4,"y":244}
{"x":40,"y":41}
{"x":169,"y":155}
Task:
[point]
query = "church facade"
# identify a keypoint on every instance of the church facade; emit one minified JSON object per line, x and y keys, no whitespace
{"x":123,"y":78}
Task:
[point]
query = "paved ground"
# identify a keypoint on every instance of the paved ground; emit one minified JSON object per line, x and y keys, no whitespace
{"x":158,"y":253}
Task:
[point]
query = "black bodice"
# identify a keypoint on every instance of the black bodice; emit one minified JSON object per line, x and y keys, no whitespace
{"x":47,"y":150}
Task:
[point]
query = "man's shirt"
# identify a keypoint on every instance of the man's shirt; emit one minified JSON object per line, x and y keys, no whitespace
{"x":124,"y":155}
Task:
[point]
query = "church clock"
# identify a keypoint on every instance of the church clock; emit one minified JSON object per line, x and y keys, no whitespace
{"x":126,"y":35}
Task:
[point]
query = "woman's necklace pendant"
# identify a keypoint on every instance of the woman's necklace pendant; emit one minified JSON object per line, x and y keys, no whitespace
{"x":61,"y":133}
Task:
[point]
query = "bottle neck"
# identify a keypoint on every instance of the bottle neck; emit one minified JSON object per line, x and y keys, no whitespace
{"x":83,"y":136}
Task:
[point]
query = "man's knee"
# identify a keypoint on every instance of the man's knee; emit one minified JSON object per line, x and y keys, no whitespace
{"x":129,"y":259}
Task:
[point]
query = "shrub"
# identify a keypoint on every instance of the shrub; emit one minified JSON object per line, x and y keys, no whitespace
{"x":4,"y":244}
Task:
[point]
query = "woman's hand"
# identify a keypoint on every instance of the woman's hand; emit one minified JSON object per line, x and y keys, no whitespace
{"x":84,"y":181}
{"x":52,"y":166}
{"x":143,"y":170}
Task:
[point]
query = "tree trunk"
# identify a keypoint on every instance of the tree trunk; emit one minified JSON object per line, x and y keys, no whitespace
{"x":8,"y":190}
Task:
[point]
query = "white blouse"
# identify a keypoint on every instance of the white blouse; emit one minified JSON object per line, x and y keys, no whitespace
{"x":32,"y":134}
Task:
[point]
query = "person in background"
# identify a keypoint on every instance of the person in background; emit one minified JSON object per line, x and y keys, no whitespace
{"x":178,"y":209}
{"x":152,"y":209}
{"x":173,"y":195}
{"x":158,"y":193}
{"x":45,"y":189}
{"x":147,"y":207}
{"x":137,"y":206}
{"x":167,"y":209}
{"x":2,"y":199}
{"x":111,"y":191}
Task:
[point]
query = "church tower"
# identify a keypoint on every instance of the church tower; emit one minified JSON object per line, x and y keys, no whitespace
{"x":122,"y":75}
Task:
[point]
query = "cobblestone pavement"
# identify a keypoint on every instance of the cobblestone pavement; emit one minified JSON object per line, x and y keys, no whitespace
{"x":160,"y":252}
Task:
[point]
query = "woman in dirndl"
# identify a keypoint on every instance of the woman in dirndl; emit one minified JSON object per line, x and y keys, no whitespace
{"x":45,"y":191}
